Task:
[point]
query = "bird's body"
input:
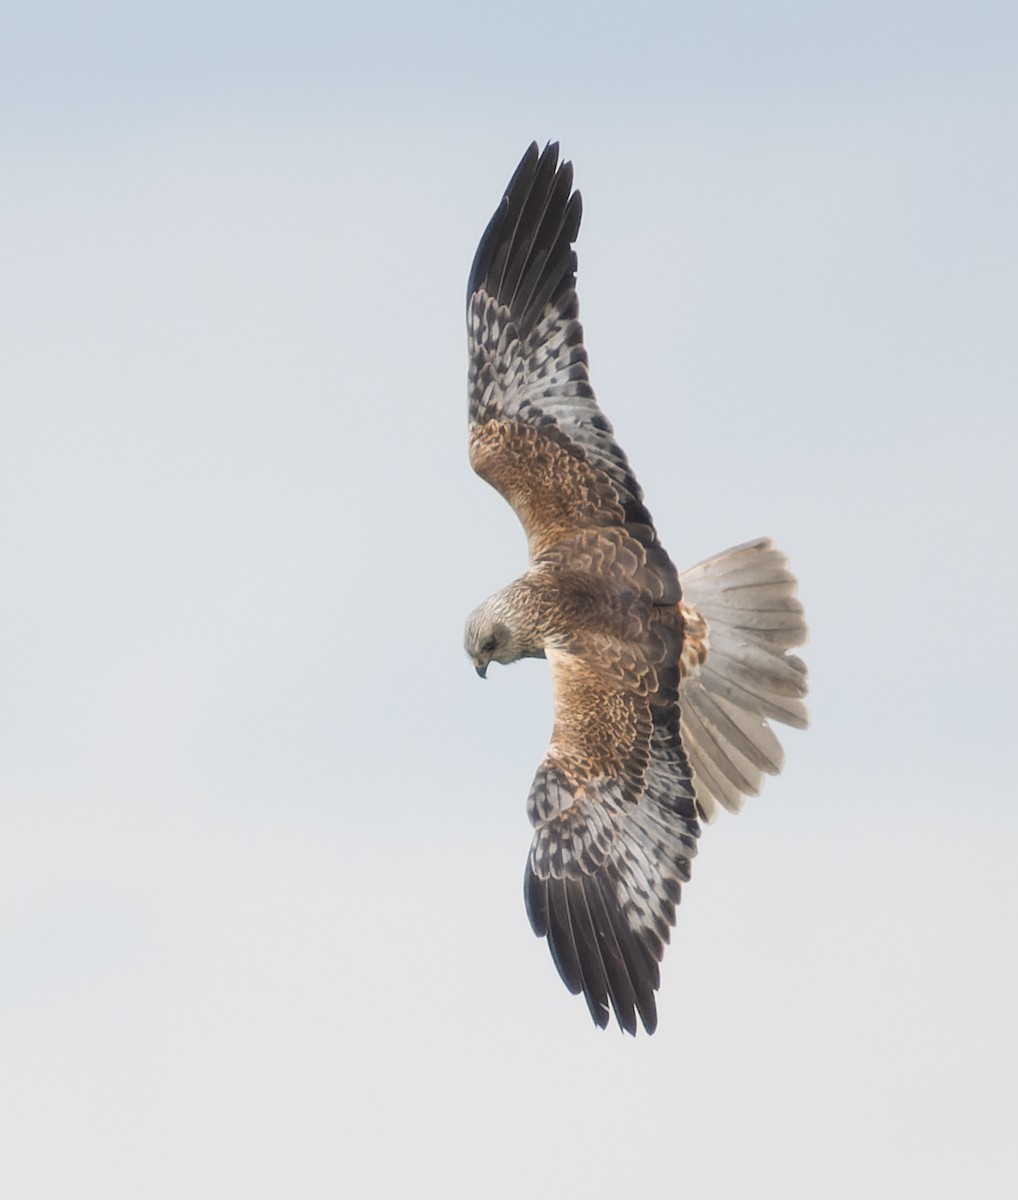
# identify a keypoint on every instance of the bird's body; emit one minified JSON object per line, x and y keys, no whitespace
{"x":661,"y":700}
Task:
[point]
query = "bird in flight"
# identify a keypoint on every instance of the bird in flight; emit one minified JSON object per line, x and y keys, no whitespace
{"x":664,"y":684}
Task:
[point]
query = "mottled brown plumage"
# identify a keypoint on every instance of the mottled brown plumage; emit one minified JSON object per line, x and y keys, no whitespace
{"x":661,"y":703}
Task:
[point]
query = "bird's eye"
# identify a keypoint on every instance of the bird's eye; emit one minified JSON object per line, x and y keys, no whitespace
{"x":489,"y":646}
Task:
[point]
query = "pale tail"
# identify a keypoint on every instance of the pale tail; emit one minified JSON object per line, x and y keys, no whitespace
{"x":747,"y":598}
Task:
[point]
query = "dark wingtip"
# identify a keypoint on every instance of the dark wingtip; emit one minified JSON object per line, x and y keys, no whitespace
{"x":592,"y":953}
{"x":524,"y":257}
{"x":535,"y":897}
{"x":521,"y":177}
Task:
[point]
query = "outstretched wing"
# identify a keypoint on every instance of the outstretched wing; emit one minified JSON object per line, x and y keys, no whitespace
{"x":536,"y":432}
{"x":615,"y":817}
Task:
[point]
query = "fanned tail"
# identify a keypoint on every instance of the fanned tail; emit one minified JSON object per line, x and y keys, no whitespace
{"x":738,"y":674}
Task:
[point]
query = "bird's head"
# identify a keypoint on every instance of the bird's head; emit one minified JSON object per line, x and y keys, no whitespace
{"x":486,"y":640}
{"x":491,"y":636}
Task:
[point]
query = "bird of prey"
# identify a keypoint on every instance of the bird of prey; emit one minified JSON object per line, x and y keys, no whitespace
{"x":664,"y":684}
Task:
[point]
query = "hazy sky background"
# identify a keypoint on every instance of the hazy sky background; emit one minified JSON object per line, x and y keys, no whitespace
{"x":262,"y":831}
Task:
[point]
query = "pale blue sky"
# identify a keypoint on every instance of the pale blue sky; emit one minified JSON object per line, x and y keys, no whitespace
{"x":263,"y":830}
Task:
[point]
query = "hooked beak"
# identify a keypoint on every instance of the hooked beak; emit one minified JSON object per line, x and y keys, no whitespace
{"x":481,"y":668}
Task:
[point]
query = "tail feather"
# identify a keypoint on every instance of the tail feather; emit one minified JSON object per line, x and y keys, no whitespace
{"x":755,"y":667}
{"x":711,"y":785}
{"x":733,"y":767}
{"x":747,"y":599}
{"x":744,"y":732}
